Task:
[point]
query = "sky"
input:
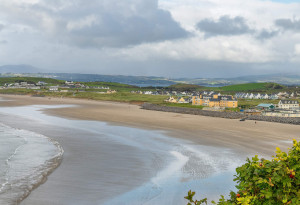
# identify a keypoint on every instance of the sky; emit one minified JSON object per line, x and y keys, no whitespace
{"x":170,"y":38}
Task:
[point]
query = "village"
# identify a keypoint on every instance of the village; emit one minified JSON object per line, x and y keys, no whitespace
{"x":286,"y":104}
{"x":68,"y":86}
{"x":218,"y":102}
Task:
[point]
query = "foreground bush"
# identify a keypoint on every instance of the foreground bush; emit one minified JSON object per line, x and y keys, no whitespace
{"x":264,"y":182}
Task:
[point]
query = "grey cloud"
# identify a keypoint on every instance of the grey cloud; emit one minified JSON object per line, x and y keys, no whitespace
{"x":288,"y":24}
{"x":104,"y":23}
{"x":265,"y":34}
{"x":225,"y":26}
{"x":193,"y":68}
{"x":1,"y":27}
{"x":114,"y":31}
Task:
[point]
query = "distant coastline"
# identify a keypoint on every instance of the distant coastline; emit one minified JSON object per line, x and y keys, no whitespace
{"x":191,"y":111}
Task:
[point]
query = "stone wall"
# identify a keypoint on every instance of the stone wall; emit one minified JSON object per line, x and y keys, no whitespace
{"x":229,"y":115}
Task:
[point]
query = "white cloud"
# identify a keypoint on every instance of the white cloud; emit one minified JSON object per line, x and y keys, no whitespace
{"x":97,"y":24}
{"x":91,"y":34}
{"x":87,"y":21}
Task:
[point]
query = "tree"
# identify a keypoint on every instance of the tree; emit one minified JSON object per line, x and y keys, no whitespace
{"x":265,"y":182}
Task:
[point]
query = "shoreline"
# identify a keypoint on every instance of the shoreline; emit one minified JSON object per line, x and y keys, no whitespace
{"x":241,"y":137}
{"x":228,"y":115}
{"x":262,"y":137}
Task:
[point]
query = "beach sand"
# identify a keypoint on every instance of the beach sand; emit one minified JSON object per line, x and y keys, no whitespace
{"x":244,"y":137}
{"x":262,"y":137}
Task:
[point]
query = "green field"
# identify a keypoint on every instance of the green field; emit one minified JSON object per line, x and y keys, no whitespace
{"x":124,"y":95}
{"x":249,"y":87}
{"x":29,"y":80}
{"x":184,"y":87}
{"x":119,"y":96}
{"x":113,"y":86}
{"x":252,"y":87}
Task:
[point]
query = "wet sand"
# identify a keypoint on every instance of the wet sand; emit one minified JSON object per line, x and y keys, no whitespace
{"x":243,"y":137}
{"x":262,"y":137}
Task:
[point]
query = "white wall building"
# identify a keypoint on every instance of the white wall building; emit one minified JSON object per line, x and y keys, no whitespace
{"x":288,"y":104}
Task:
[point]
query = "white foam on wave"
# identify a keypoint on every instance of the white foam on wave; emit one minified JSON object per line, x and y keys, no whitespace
{"x":206,"y":169}
{"x":179,"y":165}
{"x":172,"y":170}
{"x":28,"y":164}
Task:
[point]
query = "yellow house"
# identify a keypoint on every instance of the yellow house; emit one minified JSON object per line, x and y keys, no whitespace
{"x":227,"y":101}
{"x":171,"y":100}
{"x":181,"y":100}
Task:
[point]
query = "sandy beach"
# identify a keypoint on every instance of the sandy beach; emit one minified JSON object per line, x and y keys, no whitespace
{"x":262,"y":137}
{"x":245,"y":138}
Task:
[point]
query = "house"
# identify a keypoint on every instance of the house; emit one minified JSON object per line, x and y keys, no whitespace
{"x":257,"y":96}
{"x":171,"y":100}
{"x":33,"y":87}
{"x":148,"y":92}
{"x":64,"y":91}
{"x":283,"y":95}
{"x":23,"y":84}
{"x":69,"y":82}
{"x":274,"y":97}
{"x":215,"y":100}
{"x":251,"y":96}
{"x":111,"y":91}
{"x":288,"y":104}
{"x":264,"y":106}
{"x":53,"y":88}
{"x":181,"y":100}
{"x":266,"y":96}
{"x":41,"y":83}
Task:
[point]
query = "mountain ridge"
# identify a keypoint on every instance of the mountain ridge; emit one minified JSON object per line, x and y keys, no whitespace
{"x":142,"y":81}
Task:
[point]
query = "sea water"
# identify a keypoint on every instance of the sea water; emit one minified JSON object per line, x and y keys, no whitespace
{"x":177,"y":165}
{"x":26,"y":158}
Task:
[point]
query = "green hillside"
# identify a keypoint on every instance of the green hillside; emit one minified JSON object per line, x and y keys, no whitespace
{"x":29,"y":80}
{"x":252,"y":87}
{"x":112,"y":86}
{"x":184,"y":87}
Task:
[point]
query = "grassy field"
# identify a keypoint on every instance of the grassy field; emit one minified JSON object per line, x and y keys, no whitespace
{"x":118,"y":97}
{"x":184,"y":87}
{"x":17,"y":91}
{"x":251,"y":87}
{"x":124,"y":95}
{"x":29,"y":80}
{"x":112,"y":86}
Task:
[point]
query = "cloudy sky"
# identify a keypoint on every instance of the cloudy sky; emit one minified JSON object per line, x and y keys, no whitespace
{"x":172,"y":38}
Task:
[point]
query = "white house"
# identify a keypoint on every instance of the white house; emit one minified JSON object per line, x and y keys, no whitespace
{"x":288,"y":104}
{"x":53,"y":88}
{"x":266,"y":96}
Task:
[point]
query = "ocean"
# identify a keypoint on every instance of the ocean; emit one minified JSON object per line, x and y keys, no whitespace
{"x":26,"y":158}
{"x":104,"y":163}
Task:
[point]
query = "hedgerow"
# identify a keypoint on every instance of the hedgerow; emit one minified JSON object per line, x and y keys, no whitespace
{"x":264,"y":182}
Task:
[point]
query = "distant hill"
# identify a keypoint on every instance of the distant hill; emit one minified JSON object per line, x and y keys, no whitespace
{"x":18,"y":69}
{"x":147,"y":81}
{"x":253,"y":87}
{"x":184,"y":87}
{"x":285,"y":79}
{"x":32,"y":80}
{"x":141,"y":81}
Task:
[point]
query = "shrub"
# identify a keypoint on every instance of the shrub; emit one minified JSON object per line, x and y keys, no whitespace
{"x":265,"y":182}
